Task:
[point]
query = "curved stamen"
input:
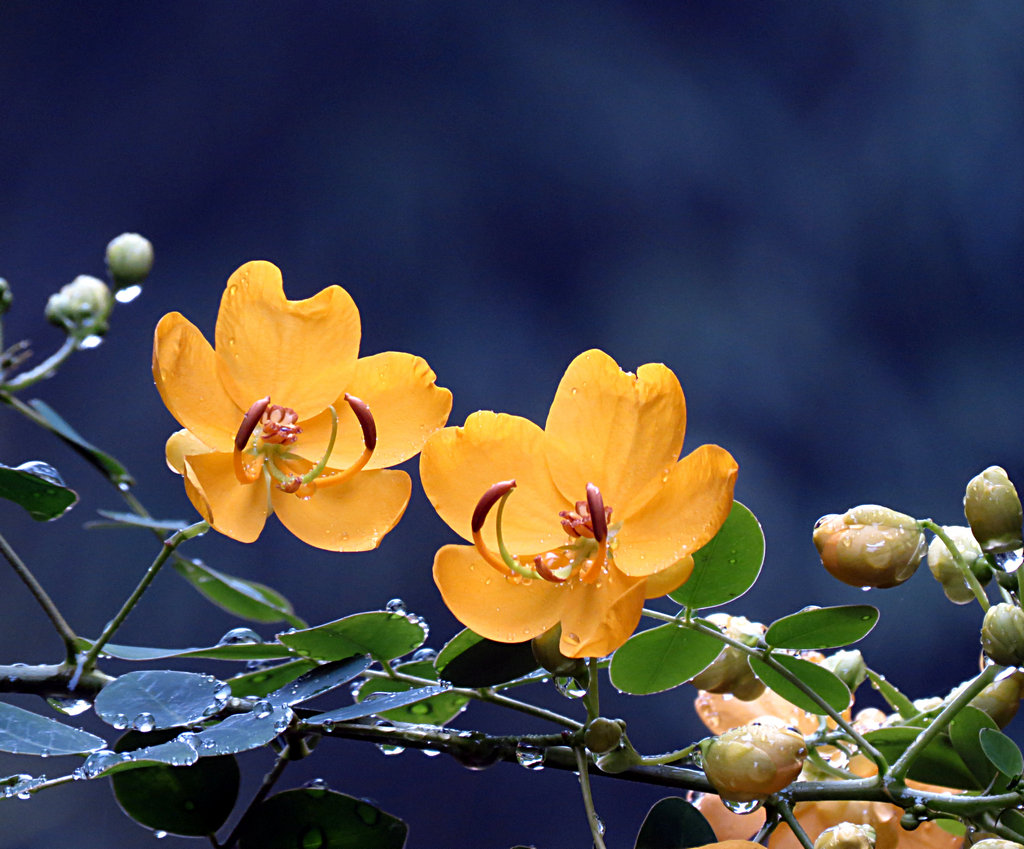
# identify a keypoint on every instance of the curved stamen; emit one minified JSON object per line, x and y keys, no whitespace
{"x":599,"y":523}
{"x":242,"y":437}
{"x":498,"y":492}
{"x":369,"y":429}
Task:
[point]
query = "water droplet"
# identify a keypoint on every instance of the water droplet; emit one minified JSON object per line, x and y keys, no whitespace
{"x":423,"y":655}
{"x":316,"y":784}
{"x":743,"y":807}
{"x":128,"y":294}
{"x":575,"y":390}
{"x":599,"y":825}
{"x":119,"y":721}
{"x":223,"y":693}
{"x":90,"y":342}
{"x":282,"y":723}
{"x":396,"y":605}
{"x":570,"y":688}
{"x":312,"y":838}
{"x":531,"y":757}
{"x":159,"y":835}
{"x":70,"y":707}
{"x":240,"y":637}
{"x":430,"y":753}
{"x":390,"y":750}
{"x":144,"y":722}
{"x":1010,"y":561}
{"x":262,"y":709}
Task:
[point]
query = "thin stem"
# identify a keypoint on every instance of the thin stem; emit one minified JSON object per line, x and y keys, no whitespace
{"x":592,"y":698}
{"x":269,"y":780}
{"x":45,"y":369}
{"x":40,"y":595}
{"x":961,"y":563}
{"x":782,"y":806}
{"x":593,"y":820}
{"x":171,"y":543}
{"x":668,"y":757}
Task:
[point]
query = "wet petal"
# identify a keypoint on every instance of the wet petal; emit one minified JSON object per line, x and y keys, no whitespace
{"x":351,"y":516}
{"x":236,"y":510}
{"x":300,"y":353}
{"x":599,"y":617}
{"x":405,"y":403}
{"x":686,"y":512}
{"x":181,"y":444}
{"x":459,"y":464}
{"x":663,"y":582}
{"x":490,"y":604}
{"x":185,"y":371}
{"x":619,"y":431}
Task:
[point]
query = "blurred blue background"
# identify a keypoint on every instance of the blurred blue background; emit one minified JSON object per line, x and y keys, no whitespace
{"x":812,"y":212}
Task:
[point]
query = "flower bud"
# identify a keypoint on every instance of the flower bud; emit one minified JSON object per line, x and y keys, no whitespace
{"x":993,"y":511}
{"x":996,"y":843}
{"x":943,"y":567}
{"x":129,"y":259}
{"x":547,"y":654}
{"x":870,"y":546}
{"x":1002,"y":634}
{"x":848,"y":666}
{"x":1001,"y":699}
{"x":847,"y":835}
{"x":751,"y":762}
{"x":620,"y":758}
{"x":6,"y":297}
{"x":603,"y":735}
{"x":81,"y":307}
{"x":730,"y":672}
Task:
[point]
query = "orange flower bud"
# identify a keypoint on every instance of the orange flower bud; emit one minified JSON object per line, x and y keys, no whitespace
{"x":847,"y":835}
{"x":870,"y":546}
{"x":943,"y":567}
{"x":1002,"y":634}
{"x":730,"y":672}
{"x":993,"y":511}
{"x":1001,"y":698}
{"x":751,"y":762}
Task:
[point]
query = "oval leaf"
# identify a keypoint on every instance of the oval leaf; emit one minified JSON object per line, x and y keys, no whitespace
{"x":1002,"y":752}
{"x":834,"y":692}
{"x":728,"y":565}
{"x":158,"y":698}
{"x":320,"y":818}
{"x":662,"y":658}
{"x":233,"y":651}
{"x":436,"y":710}
{"x":247,"y":599}
{"x":25,"y":733}
{"x":242,"y":731}
{"x":104,"y":462}
{"x":38,"y":488}
{"x":262,"y":682}
{"x":822,"y":627}
{"x":381,"y":634}
{"x":469,"y":660}
{"x":964,"y":734}
{"x":318,"y":681}
{"x":377,"y":706}
{"x":674,"y":823}
{"x":937,"y":764}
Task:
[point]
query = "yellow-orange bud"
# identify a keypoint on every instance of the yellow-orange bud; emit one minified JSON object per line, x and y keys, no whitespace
{"x":730,"y":672}
{"x":870,"y":546}
{"x":993,"y":511}
{"x":847,"y":835}
{"x":1001,"y":699}
{"x":751,"y":762}
{"x":1002,"y":634}
{"x":943,"y":567}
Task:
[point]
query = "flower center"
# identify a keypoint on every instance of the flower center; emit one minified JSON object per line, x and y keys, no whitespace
{"x":268,"y":431}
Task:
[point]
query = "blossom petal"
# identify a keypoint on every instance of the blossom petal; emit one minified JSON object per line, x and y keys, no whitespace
{"x":670,"y":579}
{"x":236,"y":510}
{"x":686,"y":512}
{"x":459,"y":464}
{"x":351,"y":516}
{"x":405,"y":403}
{"x":620,"y":431}
{"x":300,"y":353}
{"x":599,"y":617}
{"x":492,"y":605}
{"x":185,"y":371}
{"x":181,"y":444}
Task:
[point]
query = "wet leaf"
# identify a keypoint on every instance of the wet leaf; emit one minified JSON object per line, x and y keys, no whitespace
{"x":233,"y":651}
{"x":25,"y":733}
{"x":262,"y":682}
{"x":896,"y":700}
{"x":243,"y":731}
{"x":377,"y":705}
{"x":436,"y":710}
{"x":964,"y":734}
{"x":673,"y":823}
{"x":381,"y":634}
{"x":1002,"y":752}
{"x":246,"y":599}
{"x":130,"y":520}
{"x":822,"y":627}
{"x":469,"y":660}
{"x":107,"y":464}
{"x":38,"y":488}
{"x":728,"y":565}
{"x":818,"y":678}
{"x":318,"y":681}
{"x":320,"y":819}
{"x":937,"y":764}
{"x":157,"y":698}
{"x":662,"y":658}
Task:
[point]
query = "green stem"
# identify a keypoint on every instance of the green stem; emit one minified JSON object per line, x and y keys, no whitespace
{"x":40,"y":595}
{"x":961,"y":563}
{"x":783,"y":807}
{"x":45,"y":369}
{"x":170,"y":544}
{"x":668,"y":757}
{"x":592,"y":699}
{"x":593,"y":820}
{"x":269,"y":780}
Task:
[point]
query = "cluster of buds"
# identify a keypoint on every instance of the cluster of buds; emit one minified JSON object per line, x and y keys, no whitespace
{"x":82,"y":307}
{"x":750,"y":762}
{"x":730,"y":672}
{"x":870,"y":546}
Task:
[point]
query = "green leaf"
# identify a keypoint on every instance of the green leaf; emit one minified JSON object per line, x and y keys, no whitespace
{"x":105,"y":762}
{"x":1002,"y":752}
{"x":835,"y":693}
{"x":381,"y":634}
{"x":377,"y":706}
{"x":247,"y":599}
{"x":261,"y":682}
{"x":964,"y":731}
{"x":25,"y":733}
{"x":242,"y":731}
{"x":728,"y":565}
{"x":102,"y":461}
{"x":230,"y":651}
{"x":436,"y":710}
{"x":822,"y":627}
{"x":895,"y":699}
{"x":673,"y":823}
{"x":39,"y":488}
{"x":662,"y":658}
{"x":192,"y":801}
{"x":1013,"y":820}
{"x":469,"y":660}
{"x":318,"y":681}
{"x":937,"y":764}
{"x":320,"y":819}
{"x":15,"y":785}
{"x":158,"y":698}
{"x":130,"y":520}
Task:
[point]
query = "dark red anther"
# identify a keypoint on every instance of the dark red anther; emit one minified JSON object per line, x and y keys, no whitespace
{"x":598,"y":517}
{"x":487,"y":501}
{"x":248,"y":425}
{"x":366,"y":422}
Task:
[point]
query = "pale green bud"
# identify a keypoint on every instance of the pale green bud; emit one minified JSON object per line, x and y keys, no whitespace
{"x":870,"y":546}
{"x":82,"y":307}
{"x":847,"y":835}
{"x":848,"y":666}
{"x":751,"y":762}
{"x":943,"y":567}
{"x":6,"y":296}
{"x":619,"y":759}
{"x":993,"y":511}
{"x":547,"y":653}
{"x":996,"y":843}
{"x":1001,"y":699}
{"x":730,"y":672}
{"x":603,"y":735}
{"x":1002,"y":634}
{"x":129,"y":259}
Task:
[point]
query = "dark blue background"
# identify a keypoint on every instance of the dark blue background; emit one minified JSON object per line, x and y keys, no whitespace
{"x":812,"y":212}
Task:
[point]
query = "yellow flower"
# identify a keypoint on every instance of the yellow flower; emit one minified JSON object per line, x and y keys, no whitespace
{"x":603,"y":513}
{"x":282,"y":416}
